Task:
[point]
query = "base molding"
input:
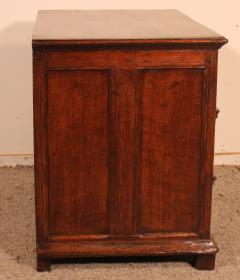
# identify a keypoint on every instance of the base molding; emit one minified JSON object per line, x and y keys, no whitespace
{"x":126,"y":248}
{"x":197,"y":247}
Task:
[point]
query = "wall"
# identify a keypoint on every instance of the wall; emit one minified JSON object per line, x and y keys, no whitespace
{"x":16,"y":24}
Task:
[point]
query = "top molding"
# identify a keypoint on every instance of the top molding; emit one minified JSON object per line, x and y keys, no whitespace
{"x":114,"y":28}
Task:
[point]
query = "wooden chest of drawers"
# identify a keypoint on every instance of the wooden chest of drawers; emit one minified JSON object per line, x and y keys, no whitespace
{"x":124,"y":115}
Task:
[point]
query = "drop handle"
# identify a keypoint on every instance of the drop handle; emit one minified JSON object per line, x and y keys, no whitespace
{"x":214,"y":179}
{"x":217,"y":112}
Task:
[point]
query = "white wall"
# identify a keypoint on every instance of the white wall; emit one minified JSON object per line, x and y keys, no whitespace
{"x":16,"y":23}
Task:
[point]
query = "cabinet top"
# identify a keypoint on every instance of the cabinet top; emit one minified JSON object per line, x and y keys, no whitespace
{"x":119,"y":25}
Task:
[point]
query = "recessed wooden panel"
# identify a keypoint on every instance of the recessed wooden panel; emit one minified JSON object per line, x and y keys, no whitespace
{"x":78,"y":148}
{"x":170,"y":144}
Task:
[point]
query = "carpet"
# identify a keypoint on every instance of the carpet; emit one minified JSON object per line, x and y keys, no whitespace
{"x":17,"y":236}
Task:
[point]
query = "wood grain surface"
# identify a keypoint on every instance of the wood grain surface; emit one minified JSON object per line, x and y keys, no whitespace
{"x":124,"y":135}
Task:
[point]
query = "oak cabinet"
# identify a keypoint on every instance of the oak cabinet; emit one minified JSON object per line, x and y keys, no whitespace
{"x":124,"y":134}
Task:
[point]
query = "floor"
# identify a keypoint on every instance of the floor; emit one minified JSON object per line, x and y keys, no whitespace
{"x":17,"y":236}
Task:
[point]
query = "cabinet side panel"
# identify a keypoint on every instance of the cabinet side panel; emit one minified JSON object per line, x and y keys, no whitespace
{"x":169,"y":169}
{"x":78,"y":118}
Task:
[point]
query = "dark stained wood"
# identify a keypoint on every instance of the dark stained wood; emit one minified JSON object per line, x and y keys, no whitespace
{"x":43,"y":264}
{"x":127,"y":248}
{"x":125,"y":131}
{"x":205,"y":262}
{"x":170,"y":149}
{"x":126,"y":28}
{"x":147,"y":44}
{"x":40,"y":147}
{"x":205,"y":198}
{"x":123,"y":142}
{"x":118,"y":24}
{"x":78,"y":177}
{"x":121,"y":58}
